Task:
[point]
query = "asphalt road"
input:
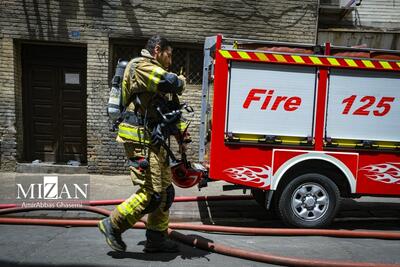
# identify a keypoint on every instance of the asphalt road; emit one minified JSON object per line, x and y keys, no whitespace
{"x":81,"y":246}
{"x":56,"y":246}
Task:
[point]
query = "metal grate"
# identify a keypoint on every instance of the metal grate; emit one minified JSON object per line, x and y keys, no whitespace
{"x":124,"y":52}
{"x":195,"y":68}
{"x":189,"y":61}
{"x":179,"y":61}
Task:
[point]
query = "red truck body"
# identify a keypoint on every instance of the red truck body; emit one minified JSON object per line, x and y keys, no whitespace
{"x":303,"y":123}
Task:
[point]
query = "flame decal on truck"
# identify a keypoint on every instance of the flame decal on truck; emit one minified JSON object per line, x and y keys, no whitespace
{"x":260,"y":175}
{"x":388,"y":173}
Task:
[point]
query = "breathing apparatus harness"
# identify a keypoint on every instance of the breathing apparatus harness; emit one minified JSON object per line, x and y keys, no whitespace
{"x":170,"y":112}
{"x":159,"y":131}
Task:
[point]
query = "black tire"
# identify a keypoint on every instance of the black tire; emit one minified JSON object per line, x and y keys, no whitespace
{"x":309,"y":201}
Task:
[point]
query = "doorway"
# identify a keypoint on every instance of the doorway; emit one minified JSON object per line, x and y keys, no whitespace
{"x":54,"y":103}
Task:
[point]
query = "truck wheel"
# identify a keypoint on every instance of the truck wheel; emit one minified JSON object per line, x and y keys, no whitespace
{"x":309,"y":201}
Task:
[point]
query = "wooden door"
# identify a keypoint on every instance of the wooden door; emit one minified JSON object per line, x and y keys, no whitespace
{"x":54,"y":79}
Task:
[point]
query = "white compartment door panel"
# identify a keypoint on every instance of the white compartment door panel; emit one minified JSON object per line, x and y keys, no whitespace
{"x":363,"y":105}
{"x":269,"y":99}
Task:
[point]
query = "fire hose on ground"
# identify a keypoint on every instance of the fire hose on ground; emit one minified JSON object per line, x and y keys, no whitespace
{"x":205,"y":244}
{"x":176,"y":199}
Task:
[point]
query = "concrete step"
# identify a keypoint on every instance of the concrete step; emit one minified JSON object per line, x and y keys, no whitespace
{"x":50,"y":168}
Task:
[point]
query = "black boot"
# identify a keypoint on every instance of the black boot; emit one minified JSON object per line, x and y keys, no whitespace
{"x":159,"y":242}
{"x":113,"y":236}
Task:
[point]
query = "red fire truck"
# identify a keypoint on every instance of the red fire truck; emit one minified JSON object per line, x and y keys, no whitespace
{"x":302,"y":125}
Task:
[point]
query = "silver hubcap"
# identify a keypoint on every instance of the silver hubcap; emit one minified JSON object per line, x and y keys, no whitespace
{"x":310,"y":201}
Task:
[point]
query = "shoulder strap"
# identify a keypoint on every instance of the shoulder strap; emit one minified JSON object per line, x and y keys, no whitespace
{"x":130,"y":73}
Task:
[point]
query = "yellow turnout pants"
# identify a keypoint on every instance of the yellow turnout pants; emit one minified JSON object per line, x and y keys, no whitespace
{"x":153,"y":180}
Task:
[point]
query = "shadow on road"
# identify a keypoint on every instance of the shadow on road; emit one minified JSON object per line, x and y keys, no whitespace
{"x":354,"y":214}
{"x":185,"y":252}
{"x":368,"y":215}
{"x":4,"y":263}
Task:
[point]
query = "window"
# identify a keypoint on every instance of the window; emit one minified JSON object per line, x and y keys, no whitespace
{"x":189,"y":61}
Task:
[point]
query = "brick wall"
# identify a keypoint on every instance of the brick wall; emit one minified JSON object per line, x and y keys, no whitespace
{"x":98,"y":21}
{"x":18,"y":99}
{"x":8,"y":107}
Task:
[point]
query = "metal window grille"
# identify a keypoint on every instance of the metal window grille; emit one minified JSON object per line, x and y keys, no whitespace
{"x":124,"y":52}
{"x":187,"y":61}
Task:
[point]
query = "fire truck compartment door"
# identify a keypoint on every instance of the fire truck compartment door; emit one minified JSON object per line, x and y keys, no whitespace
{"x":363,"y":105}
{"x":269,"y":99}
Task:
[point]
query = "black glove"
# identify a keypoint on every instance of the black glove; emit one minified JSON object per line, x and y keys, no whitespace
{"x":170,"y":190}
{"x":171,"y":84}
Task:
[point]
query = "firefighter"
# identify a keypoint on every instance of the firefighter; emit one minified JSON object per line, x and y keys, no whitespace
{"x":147,"y":90}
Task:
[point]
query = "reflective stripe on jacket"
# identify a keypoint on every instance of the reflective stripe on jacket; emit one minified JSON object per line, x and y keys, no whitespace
{"x":144,"y":78}
{"x":133,"y":133}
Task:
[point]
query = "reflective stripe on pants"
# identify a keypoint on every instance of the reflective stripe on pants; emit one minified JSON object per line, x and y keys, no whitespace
{"x":155,"y":179}
{"x":131,"y":211}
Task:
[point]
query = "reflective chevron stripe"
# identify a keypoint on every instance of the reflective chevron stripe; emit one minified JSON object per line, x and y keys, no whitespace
{"x":312,"y":60}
